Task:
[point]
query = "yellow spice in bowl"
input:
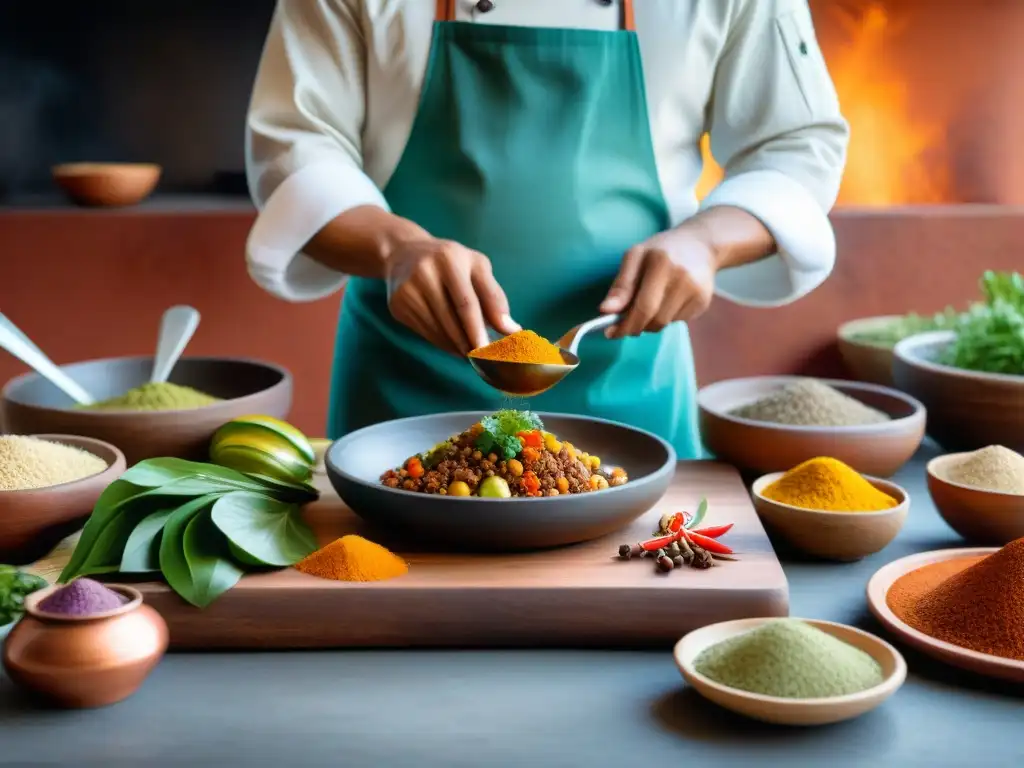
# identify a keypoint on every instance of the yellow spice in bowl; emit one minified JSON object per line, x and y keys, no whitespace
{"x":828,"y":485}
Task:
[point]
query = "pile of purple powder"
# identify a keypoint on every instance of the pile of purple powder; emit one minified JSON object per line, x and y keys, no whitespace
{"x":82,"y":597}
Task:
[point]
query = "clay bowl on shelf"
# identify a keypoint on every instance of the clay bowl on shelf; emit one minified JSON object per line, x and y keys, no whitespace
{"x":107,"y":184}
{"x":865,"y":360}
{"x":980,"y":516}
{"x":32,"y":521}
{"x":967,"y":410}
{"x":356,"y":462}
{"x":85,"y":661}
{"x":784,"y":711}
{"x":843,"y":536}
{"x":760,"y":447}
{"x":31,"y":404}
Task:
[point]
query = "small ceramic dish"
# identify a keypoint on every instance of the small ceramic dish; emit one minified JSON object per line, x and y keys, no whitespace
{"x":980,"y":516}
{"x":107,"y":184}
{"x":878,"y":590}
{"x":843,"y":536}
{"x":865,"y":360}
{"x":85,"y":661}
{"x":774,"y":709}
{"x":760,"y":446}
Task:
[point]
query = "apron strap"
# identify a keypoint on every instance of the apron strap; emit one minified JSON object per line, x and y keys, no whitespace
{"x":445,"y":11}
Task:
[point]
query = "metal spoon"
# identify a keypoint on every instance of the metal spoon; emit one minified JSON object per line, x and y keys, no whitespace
{"x":19,"y":345}
{"x":530,"y":379}
{"x":176,"y":329}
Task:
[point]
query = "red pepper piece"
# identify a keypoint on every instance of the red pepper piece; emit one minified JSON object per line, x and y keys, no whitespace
{"x":714,"y":532}
{"x":531,"y":439}
{"x":711,"y":545}
{"x":662,"y":541}
{"x":676,"y":523}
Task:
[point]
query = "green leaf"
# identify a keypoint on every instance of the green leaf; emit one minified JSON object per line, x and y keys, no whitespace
{"x":142,"y":551}
{"x":15,"y":586}
{"x":270,"y":531}
{"x":698,"y":516}
{"x":300,"y":493}
{"x":500,"y":430}
{"x":209,"y":561}
{"x":153,"y":473}
{"x":173,"y":562}
{"x":107,"y":507}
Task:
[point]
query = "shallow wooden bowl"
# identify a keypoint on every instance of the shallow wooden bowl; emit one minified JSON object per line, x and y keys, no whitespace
{"x":866,"y":361}
{"x":32,"y":404}
{"x":966,"y":410}
{"x":844,"y":536}
{"x":760,"y":447}
{"x":33,"y":521}
{"x":980,"y":516}
{"x":107,"y":184}
{"x":775,"y":709}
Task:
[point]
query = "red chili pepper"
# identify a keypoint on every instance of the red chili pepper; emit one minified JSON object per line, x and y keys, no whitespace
{"x":676,"y":523}
{"x":662,"y":541}
{"x":711,"y":545}
{"x":714,"y":532}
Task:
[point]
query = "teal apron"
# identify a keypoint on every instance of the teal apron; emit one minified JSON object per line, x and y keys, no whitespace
{"x":532,"y":146}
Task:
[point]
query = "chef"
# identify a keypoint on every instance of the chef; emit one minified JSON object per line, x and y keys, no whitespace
{"x":464,"y":165}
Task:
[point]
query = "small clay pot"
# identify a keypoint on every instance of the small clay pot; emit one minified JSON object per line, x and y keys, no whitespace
{"x":85,"y":661}
{"x":107,"y":184}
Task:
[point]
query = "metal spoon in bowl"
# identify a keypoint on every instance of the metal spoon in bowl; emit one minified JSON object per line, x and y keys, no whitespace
{"x":176,"y":329}
{"x":529,"y":379}
{"x":19,"y":345}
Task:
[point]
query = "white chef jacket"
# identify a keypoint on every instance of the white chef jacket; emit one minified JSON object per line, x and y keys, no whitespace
{"x":338,"y":88}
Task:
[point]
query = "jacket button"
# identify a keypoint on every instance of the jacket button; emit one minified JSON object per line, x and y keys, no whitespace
{"x":484,"y":6}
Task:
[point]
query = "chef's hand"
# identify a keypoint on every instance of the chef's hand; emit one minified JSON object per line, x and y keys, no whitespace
{"x":446,"y":293}
{"x":666,"y":279}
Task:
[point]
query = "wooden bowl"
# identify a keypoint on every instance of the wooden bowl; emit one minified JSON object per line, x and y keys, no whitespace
{"x":980,"y":516}
{"x":761,"y":447}
{"x":967,"y":410}
{"x":34,"y":520}
{"x":784,"y":711}
{"x":107,"y":184}
{"x":866,"y":361}
{"x":843,"y":536}
{"x":32,"y":404}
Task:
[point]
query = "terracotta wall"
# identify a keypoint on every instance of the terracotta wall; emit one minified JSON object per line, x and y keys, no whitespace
{"x":88,"y":284}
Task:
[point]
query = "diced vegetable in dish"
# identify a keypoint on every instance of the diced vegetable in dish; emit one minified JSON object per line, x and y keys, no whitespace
{"x":505,"y":455}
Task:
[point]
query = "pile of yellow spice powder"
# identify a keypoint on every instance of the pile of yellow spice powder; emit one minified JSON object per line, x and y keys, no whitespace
{"x":28,"y":462}
{"x":353,"y":558}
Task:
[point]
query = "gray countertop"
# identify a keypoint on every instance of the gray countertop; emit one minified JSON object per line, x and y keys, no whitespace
{"x":518,"y":708}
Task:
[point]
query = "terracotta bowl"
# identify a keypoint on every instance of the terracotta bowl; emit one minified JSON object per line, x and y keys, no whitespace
{"x":107,"y":184}
{"x":966,"y":410}
{"x":33,"y":521}
{"x":760,"y":447}
{"x":32,"y":404}
{"x":982,"y":517}
{"x":844,"y":536}
{"x":866,"y":361}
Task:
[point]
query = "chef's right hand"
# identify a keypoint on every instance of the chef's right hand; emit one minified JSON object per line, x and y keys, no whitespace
{"x":446,"y":293}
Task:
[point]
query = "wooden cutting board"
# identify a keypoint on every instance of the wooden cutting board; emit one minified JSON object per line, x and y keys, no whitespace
{"x":576,"y":596}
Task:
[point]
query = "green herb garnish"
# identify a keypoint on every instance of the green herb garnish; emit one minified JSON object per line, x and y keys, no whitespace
{"x":500,"y":430}
{"x":893,"y":332}
{"x":990,"y":335}
{"x":15,"y":586}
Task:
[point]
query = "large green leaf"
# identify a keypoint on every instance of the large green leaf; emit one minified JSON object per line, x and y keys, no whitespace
{"x":271,"y":531}
{"x":153,"y":473}
{"x":107,"y":507}
{"x":209,"y":561}
{"x":142,"y":551}
{"x":173,"y":563}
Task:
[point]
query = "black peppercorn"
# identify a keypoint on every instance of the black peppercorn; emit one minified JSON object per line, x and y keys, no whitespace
{"x":484,"y":6}
{"x":625,"y":551}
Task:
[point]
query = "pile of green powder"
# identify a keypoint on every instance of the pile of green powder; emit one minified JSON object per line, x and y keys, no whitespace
{"x":790,"y":659}
{"x":810,"y":403}
{"x":162,"y":396}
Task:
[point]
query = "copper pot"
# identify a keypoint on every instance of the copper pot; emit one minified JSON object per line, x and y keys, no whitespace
{"x":85,"y":661}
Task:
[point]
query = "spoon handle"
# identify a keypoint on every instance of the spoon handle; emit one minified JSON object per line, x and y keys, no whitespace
{"x":176,"y":329}
{"x":597,"y":324}
{"x":19,"y":345}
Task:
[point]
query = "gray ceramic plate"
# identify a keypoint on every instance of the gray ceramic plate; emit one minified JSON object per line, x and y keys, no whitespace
{"x":356,"y":462}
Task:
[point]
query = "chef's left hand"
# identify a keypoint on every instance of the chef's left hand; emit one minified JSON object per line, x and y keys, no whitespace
{"x":666,"y":279}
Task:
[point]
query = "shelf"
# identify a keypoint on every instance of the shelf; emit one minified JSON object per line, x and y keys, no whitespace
{"x":167,"y":203}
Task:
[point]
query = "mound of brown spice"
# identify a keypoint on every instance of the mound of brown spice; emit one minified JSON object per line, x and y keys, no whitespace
{"x":974,"y":603}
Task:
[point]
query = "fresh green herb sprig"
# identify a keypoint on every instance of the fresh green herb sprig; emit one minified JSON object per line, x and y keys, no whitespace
{"x":500,"y":430}
{"x":990,"y":335}
{"x":15,"y":586}
{"x":891,"y":333}
{"x":202,"y":526}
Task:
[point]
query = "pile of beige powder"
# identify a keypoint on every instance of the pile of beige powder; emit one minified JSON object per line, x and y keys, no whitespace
{"x":810,"y":403}
{"x":28,"y":462}
{"x":994,"y":468}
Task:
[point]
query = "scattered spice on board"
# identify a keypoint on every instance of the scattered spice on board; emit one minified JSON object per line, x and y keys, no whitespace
{"x":790,"y":659}
{"x":680,"y":542}
{"x":828,"y":485}
{"x":156,"y":396}
{"x":353,"y":558}
{"x":520,"y":347}
{"x":810,"y":403}
{"x":994,"y":468}
{"x":28,"y":462}
{"x":975,"y":603}
{"x":82,"y":597}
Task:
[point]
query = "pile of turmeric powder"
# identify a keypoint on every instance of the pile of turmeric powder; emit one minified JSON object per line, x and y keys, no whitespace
{"x":520,"y":347}
{"x":828,"y":485}
{"x":353,"y":558}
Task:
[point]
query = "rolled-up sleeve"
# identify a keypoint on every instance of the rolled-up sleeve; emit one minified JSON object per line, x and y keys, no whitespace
{"x":777,"y":130}
{"x":303,"y":143}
